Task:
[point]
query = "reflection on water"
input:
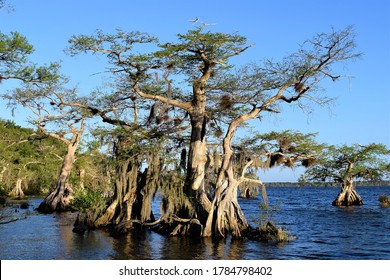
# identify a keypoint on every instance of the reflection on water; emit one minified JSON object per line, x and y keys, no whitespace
{"x":323,"y":231}
{"x":155,"y":246}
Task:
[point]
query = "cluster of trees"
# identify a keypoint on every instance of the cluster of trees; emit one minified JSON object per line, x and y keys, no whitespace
{"x":28,"y":161}
{"x":168,"y":121}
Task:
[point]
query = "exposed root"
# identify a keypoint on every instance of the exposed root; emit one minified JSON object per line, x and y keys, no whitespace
{"x":169,"y":225}
{"x":10,"y":221}
{"x":126,"y":226}
{"x":10,"y":215}
{"x":57,"y":201}
{"x":347,"y":198}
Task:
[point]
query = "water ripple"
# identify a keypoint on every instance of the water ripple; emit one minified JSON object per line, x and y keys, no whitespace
{"x":323,"y":232}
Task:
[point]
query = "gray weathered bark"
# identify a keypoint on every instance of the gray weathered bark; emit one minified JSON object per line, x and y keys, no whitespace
{"x":59,"y":199}
{"x":17,"y":190}
{"x":347,"y":196}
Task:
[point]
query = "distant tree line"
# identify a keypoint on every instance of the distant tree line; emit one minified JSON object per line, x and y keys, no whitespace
{"x":379,"y":183}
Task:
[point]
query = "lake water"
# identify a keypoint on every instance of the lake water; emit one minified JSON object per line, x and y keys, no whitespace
{"x":322,"y":230}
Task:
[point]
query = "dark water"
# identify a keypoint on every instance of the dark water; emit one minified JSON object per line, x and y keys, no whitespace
{"x":323,"y":232}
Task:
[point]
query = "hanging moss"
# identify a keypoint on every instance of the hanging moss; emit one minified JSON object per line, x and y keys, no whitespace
{"x":276,"y":159}
{"x":298,"y":87}
{"x":289,"y":163}
{"x":259,"y":163}
{"x":308,"y":162}
{"x":218,"y":133}
{"x":226,"y":102}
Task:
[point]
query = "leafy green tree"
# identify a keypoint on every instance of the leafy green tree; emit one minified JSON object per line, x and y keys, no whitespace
{"x":345,"y":164}
{"x":137,"y":157}
{"x":39,"y":92}
{"x":55,"y":118}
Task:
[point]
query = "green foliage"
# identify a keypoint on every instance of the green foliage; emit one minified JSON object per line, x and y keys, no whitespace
{"x":14,"y":63}
{"x":85,"y":199}
{"x":196,"y":45}
{"x":3,"y":192}
{"x":28,"y":155}
{"x":14,"y":49}
{"x":118,"y":47}
{"x":188,"y":56}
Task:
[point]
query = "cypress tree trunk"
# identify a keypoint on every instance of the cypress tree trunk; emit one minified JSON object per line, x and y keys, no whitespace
{"x":197,"y":156}
{"x":348,"y":195}
{"x":196,"y":166}
{"x":225,"y":214}
{"x":134,"y":191}
{"x":2,"y":173}
{"x":59,"y":199}
{"x":121,"y":207}
{"x":17,"y":190}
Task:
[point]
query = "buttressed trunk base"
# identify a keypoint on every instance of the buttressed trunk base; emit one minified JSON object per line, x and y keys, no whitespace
{"x":60,"y":198}
{"x":58,"y":201}
{"x":348,"y":196}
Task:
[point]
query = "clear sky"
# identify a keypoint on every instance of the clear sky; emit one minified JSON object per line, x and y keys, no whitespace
{"x":361,"y":113}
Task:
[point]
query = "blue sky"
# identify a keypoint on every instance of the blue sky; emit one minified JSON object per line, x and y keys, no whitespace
{"x":361,"y":113}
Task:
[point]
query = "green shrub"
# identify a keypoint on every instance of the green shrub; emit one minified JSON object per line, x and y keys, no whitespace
{"x":88,"y":199}
{"x":384,"y":200}
{"x":266,"y":229}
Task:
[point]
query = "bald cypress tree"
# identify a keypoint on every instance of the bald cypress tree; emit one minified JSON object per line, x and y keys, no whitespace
{"x":347,"y":163}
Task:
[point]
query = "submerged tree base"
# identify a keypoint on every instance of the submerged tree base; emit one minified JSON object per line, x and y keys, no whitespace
{"x":55,"y":204}
{"x":169,"y":226}
{"x":47,"y":207}
{"x":175,"y":226}
{"x":348,"y":198}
